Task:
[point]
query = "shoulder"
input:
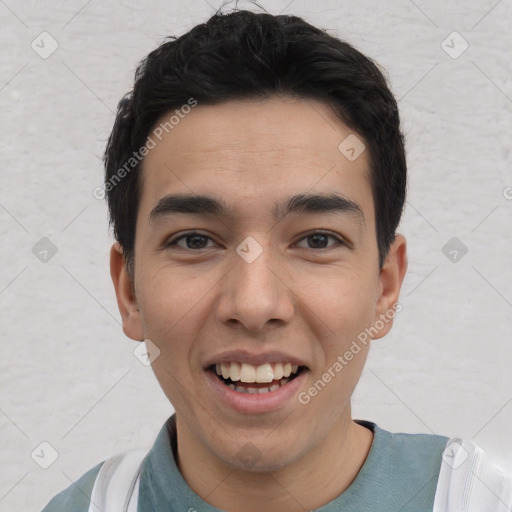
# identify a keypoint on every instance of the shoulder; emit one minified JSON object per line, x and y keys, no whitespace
{"x":401,"y":470}
{"x":416,"y":462}
{"x":414,"y":453}
{"x":76,"y":497}
{"x":441,"y":473}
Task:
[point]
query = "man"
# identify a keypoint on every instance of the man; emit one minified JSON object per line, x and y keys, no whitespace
{"x":255,"y":178}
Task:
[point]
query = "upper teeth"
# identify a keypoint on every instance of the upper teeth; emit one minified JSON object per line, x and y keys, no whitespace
{"x":248,"y":373}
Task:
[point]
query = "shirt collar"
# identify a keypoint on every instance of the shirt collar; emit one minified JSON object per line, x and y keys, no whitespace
{"x":164,"y":488}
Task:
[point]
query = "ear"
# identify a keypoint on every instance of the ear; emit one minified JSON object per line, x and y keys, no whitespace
{"x":125,"y":293}
{"x":390,"y":282}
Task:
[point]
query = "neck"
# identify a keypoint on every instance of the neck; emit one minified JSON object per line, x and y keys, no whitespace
{"x":308,"y":483}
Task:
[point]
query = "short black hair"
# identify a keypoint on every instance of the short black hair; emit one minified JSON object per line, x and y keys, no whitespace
{"x":248,"y":55}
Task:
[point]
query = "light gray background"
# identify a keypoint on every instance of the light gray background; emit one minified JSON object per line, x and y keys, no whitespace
{"x":68,"y":374}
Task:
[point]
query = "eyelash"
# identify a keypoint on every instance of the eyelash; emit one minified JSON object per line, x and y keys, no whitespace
{"x":173,"y":242}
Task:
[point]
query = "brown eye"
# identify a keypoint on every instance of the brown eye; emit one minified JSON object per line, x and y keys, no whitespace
{"x":320,"y":240}
{"x":192,"y":241}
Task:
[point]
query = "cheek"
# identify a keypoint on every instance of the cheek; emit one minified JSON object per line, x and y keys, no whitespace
{"x":343,"y":318}
{"x":172,"y":307}
{"x":343,"y":303}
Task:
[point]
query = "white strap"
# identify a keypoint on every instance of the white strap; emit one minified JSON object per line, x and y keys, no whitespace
{"x":469,"y":481}
{"x":116,"y":488}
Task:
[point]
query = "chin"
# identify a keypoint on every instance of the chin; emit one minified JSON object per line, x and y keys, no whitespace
{"x":259,"y":455}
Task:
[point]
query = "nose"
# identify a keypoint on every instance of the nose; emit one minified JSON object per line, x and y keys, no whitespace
{"x":256,"y":295}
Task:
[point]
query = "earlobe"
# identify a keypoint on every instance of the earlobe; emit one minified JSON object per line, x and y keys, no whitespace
{"x":125,"y":294}
{"x":390,"y":282}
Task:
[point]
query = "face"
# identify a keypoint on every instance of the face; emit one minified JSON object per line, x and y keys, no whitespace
{"x":255,"y":254}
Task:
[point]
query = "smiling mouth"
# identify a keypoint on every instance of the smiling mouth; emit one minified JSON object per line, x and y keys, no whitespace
{"x":244,"y":378}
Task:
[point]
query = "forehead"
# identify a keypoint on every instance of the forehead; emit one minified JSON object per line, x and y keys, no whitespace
{"x":253,"y":149}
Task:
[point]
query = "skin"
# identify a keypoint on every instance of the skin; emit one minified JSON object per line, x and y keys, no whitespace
{"x":295,"y":297}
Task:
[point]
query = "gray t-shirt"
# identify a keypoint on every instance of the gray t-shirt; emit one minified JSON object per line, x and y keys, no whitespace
{"x":399,"y":474}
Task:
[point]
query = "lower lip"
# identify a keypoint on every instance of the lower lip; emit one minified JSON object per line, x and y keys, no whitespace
{"x":255,"y":403}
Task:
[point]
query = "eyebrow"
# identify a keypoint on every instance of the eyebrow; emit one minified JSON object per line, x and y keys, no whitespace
{"x":300,"y":203}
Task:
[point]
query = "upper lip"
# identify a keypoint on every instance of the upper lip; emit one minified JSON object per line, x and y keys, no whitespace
{"x":243,"y":356}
